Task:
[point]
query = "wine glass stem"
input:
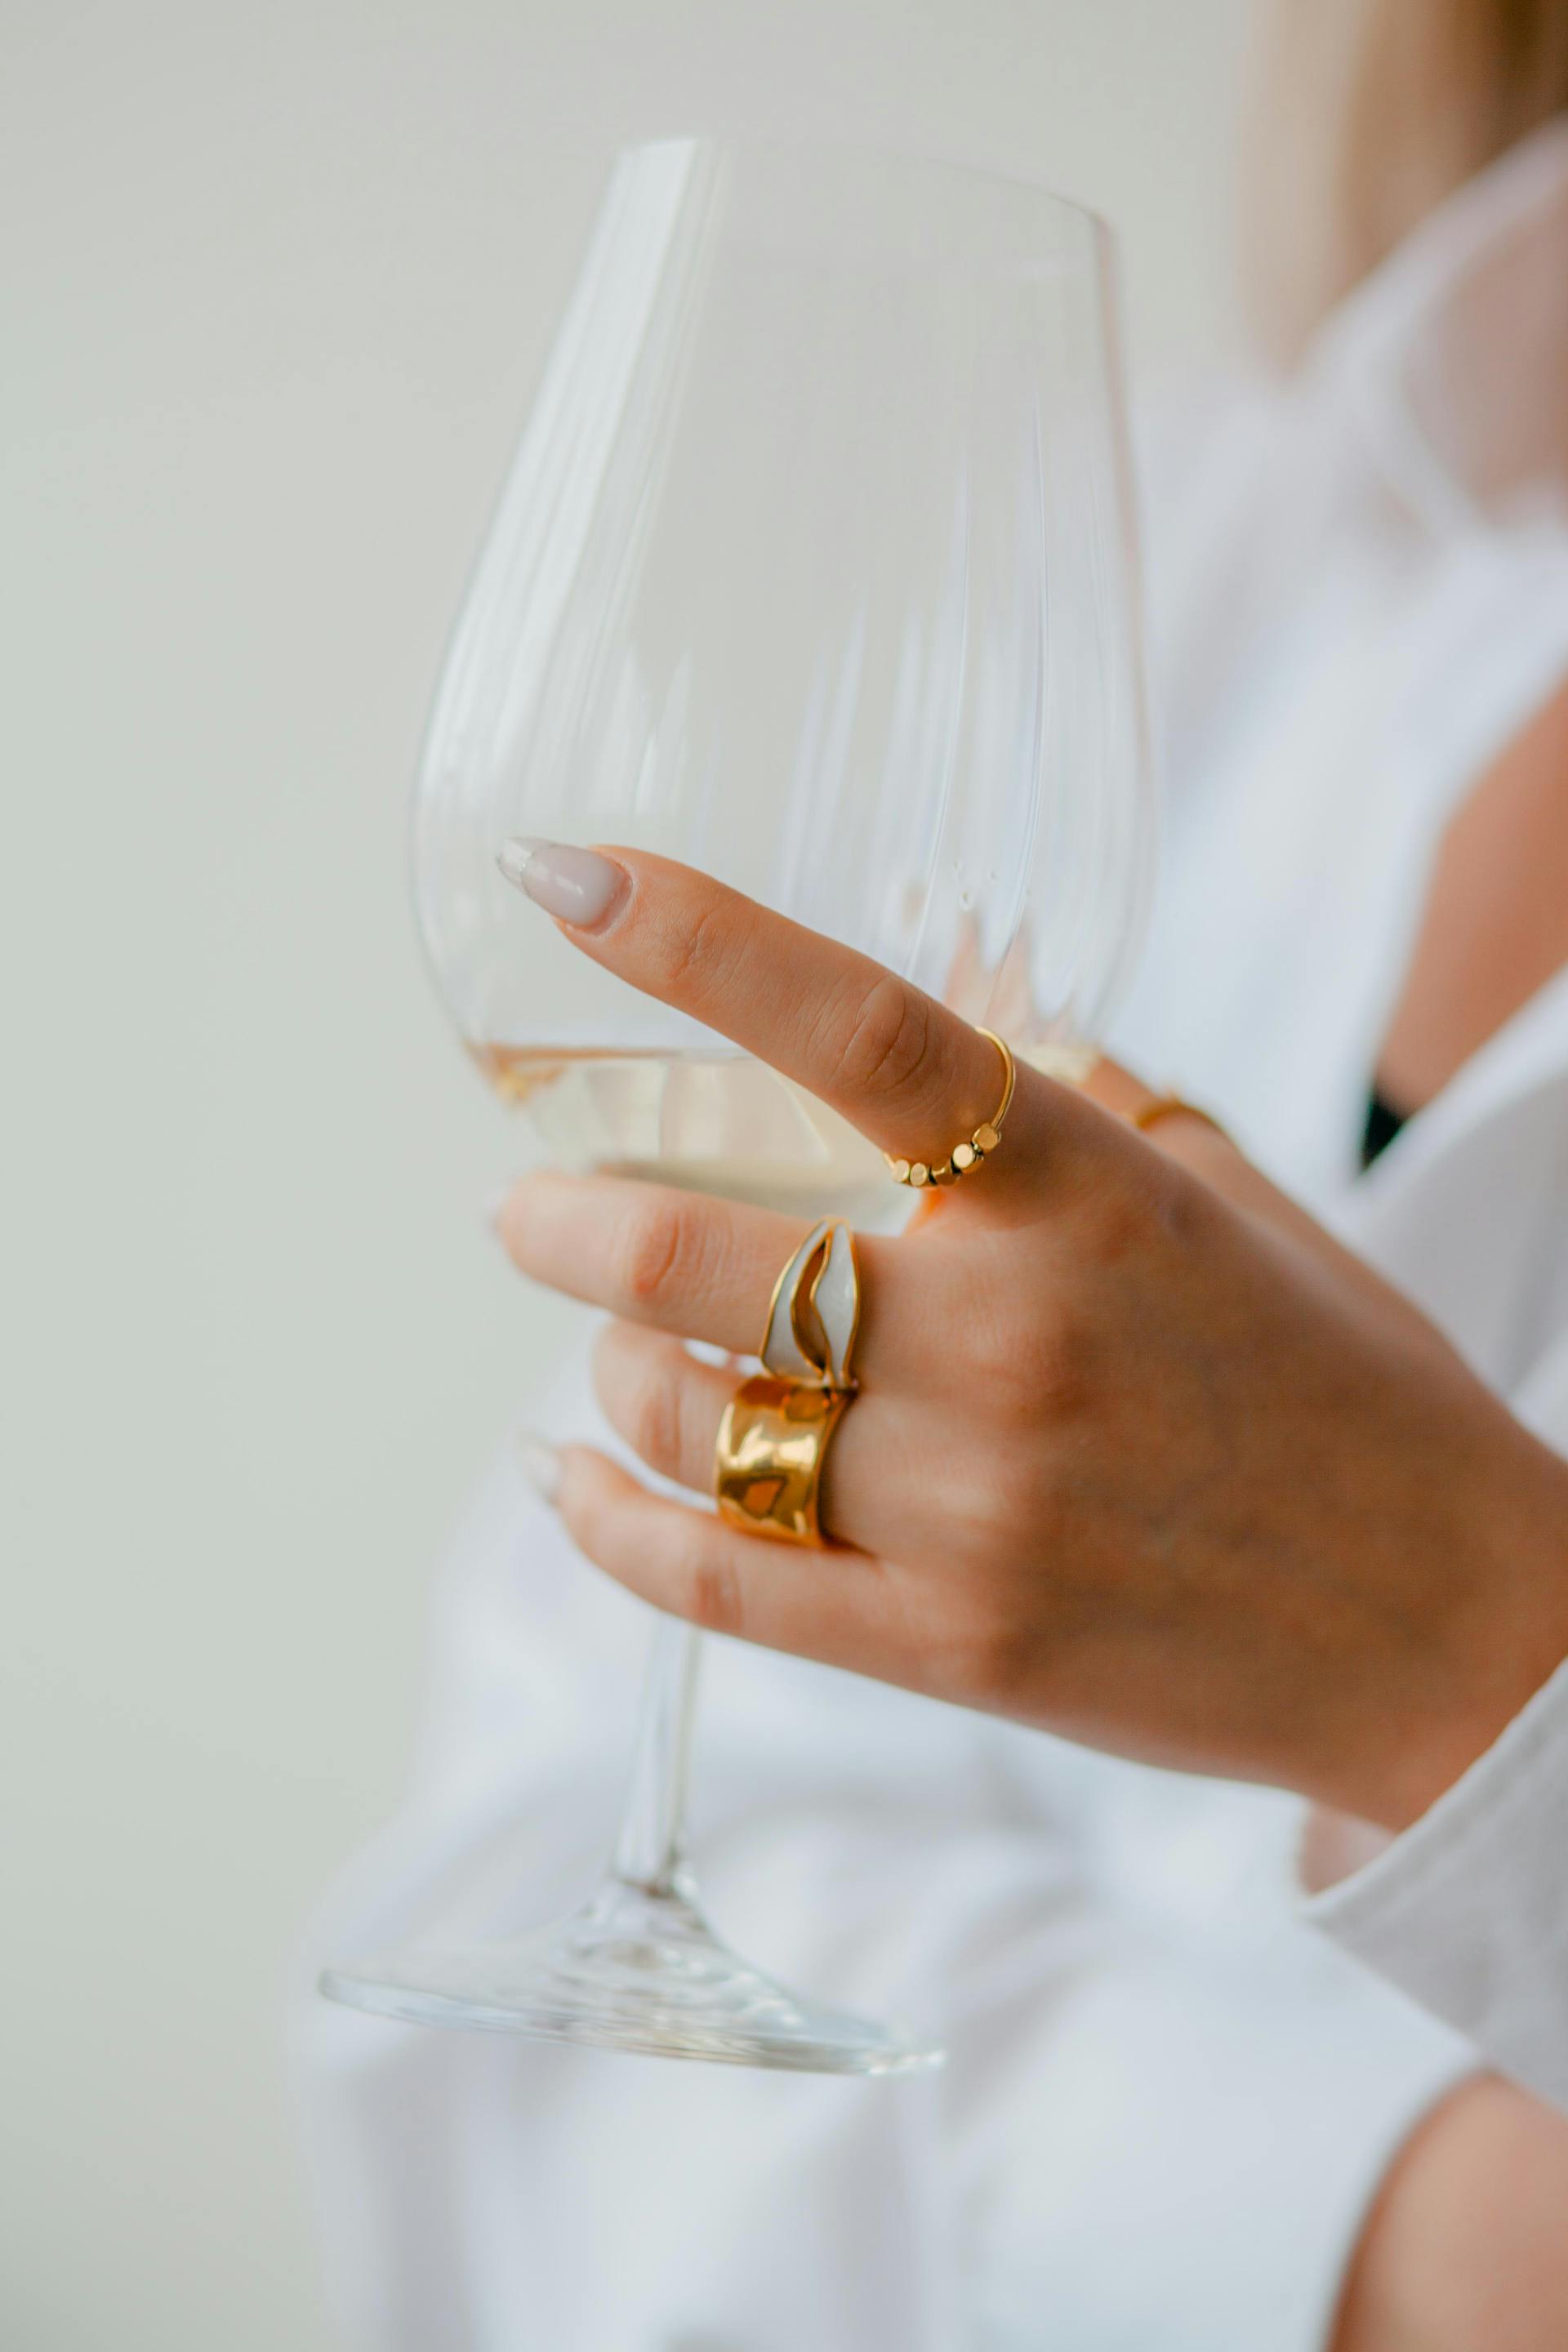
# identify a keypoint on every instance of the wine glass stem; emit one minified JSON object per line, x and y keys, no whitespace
{"x":652,"y":1844}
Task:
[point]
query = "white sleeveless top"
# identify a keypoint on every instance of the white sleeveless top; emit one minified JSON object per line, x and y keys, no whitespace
{"x":1167,"y":2103}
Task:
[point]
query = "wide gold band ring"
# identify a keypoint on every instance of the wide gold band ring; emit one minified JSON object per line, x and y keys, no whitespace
{"x":774,"y":1438}
{"x":772,"y":1441}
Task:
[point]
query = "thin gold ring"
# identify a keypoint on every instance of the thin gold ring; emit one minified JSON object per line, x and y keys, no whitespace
{"x":773,"y":1439}
{"x":1075,"y":1065}
{"x":968,"y":1155}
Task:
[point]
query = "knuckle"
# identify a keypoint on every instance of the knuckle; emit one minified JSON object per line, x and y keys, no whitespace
{"x":689,"y":958}
{"x":985,"y":1656}
{"x":651,"y":1423}
{"x":1003,"y":1657}
{"x":657,"y":1249}
{"x":1151,"y":1209}
{"x":711,"y":1592}
{"x":886,"y":1043}
{"x":1033,"y":1370}
{"x":1182,"y":1212}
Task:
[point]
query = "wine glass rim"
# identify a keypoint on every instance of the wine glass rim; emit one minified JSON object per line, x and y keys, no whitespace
{"x":867,"y":151}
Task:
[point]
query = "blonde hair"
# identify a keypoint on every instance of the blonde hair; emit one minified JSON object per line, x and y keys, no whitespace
{"x":1374,"y":111}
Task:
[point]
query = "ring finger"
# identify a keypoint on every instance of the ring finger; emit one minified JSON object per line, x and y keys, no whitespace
{"x":668,"y":1406}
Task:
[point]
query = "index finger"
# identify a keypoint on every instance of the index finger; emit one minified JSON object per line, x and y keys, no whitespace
{"x":901,"y":1068}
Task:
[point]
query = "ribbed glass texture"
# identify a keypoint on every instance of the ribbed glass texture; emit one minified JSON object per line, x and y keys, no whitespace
{"x":814,"y":568}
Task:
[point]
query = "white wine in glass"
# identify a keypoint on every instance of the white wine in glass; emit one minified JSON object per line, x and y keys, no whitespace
{"x":716,"y":1122}
{"x":814,"y":570}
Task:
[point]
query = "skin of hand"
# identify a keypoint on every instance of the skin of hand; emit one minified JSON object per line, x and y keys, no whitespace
{"x":1139,"y":1456}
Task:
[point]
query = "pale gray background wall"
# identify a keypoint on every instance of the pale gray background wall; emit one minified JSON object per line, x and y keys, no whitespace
{"x":276,"y":281}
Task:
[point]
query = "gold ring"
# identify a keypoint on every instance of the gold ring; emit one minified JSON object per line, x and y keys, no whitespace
{"x":967,"y":1155}
{"x":774,"y":1438}
{"x":1161,"y":1106}
{"x":1076,"y":1066}
{"x":767,"y":1464}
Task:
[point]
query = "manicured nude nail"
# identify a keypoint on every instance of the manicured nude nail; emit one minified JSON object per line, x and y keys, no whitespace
{"x":541,"y":1465}
{"x":576,"y":886}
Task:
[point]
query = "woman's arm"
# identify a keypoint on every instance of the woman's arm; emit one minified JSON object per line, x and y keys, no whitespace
{"x":1466,"y":2249}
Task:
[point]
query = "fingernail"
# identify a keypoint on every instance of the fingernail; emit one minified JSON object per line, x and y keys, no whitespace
{"x":576,"y":886}
{"x":541,"y":1465}
{"x":495,"y":1207}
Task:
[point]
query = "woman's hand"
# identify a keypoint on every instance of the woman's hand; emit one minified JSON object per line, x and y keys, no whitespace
{"x":1140,"y":1455}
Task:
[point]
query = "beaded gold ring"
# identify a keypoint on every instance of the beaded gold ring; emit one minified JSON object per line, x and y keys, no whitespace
{"x":964,"y":1157}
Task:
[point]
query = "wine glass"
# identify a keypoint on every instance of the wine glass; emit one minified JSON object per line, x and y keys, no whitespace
{"x":815,"y":570}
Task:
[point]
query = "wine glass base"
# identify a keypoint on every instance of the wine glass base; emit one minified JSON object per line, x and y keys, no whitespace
{"x":636,"y":1970}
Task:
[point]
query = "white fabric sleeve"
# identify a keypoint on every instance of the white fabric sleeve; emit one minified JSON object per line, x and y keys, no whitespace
{"x":1468,"y":1910}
